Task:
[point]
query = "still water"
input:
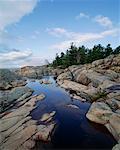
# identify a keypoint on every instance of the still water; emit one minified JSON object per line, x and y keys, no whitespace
{"x":73,"y":130}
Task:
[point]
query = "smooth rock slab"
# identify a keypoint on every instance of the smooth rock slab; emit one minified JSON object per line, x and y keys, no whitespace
{"x":44,"y":132}
{"x":48,"y":116}
{"x":18,"y":139}
{"x":114,"y":126}
{"x":99,"y":112}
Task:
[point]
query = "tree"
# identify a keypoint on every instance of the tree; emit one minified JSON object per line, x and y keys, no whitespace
{"x":117,"y":50}
{"x":81,"y":55}
{"x":108,"y":50}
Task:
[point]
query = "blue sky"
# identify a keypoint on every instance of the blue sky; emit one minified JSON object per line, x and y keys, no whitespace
{"x":34,"y":30}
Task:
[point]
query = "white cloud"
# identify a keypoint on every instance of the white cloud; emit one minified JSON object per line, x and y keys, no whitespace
{"x":14,"y":55}
{"x":81,"y":15}
{"x":11,"y":11}
{"x":13,"y":58}
{"x":103,"y":21}
{"x":58,"y":32}
{"x":82,"y":38}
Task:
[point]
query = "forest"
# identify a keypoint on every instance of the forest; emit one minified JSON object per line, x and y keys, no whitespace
{"x":82,"y":55}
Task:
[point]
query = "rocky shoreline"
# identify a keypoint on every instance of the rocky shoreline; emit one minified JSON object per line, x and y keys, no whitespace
{"x":98,"y":83}
{"x":17,"y":128}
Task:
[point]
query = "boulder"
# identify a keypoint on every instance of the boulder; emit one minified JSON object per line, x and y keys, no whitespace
{"x":81,"y":77}
{"x":70,"y":85}
{"x":116,"y":147}
{"x":114,"y":125}
{"x":64,"y":76}
{"x":99,"y":112}
{"x":96,"y":78}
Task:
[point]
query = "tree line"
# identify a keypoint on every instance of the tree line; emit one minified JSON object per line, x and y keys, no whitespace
{"x":82,"y":55}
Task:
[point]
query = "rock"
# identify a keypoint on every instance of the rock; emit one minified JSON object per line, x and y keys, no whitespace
{"x":70,"y":85}
{"x":73,"y":106}
{"x":114,"y":125}
{"x":28,"y":71}
{"x":100,"y":82}
{"x":83,"y":91}
{"x":56,"y":71}
{"x":48,"y":116}
{"x":18,"y":83}
{"x":14,"y":117}
{"x":99,"y":112}
{"x":106,"y":85}
{"x":116,"y":61}
{"x":18,"y":92}
{"x":111,"y":74}
{"x":78,"y":98}
{"x":44,"y":132}
{"x":97,"y":62}
{"x":38,"y":71}
{"x":81,"y":77}
{"x":17,"y":115}
{"x":14,"y":129}
{"x":96,"y":78}
{"x":45,"y":81}
{"x":115,"y":68}
{"x":14,"y":95}
{"x":116,"y":147}
{"x":30,"y":144}
{"x":40,"y":97}
{"x":113,"y":88}
{"x":118,"y":111}
{"x":64,"y":76}
{"x":8,"y":78}
{"x":113,"y":103}
{"x":19,"y":131}
{"x":20,"y":138}
{"x":23,"y":97}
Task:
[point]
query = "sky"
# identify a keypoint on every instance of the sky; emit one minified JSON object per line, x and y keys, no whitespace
{"x":33,"y":31}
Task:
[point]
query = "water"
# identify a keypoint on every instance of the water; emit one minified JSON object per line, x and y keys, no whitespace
{"x":73,"y":129}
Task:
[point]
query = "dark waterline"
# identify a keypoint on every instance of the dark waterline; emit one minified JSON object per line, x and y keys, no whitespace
{"x":73,"y":130}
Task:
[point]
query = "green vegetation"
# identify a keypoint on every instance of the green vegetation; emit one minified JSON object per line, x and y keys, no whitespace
{"x":98,"y":96}
{"x":81,"y":55}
